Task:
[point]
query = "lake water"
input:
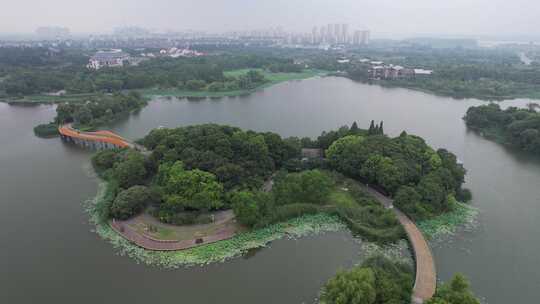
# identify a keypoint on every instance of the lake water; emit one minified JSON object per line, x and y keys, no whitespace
{"x":49,"y":253}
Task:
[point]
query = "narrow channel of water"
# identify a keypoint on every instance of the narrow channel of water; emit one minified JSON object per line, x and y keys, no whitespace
{"x":51,"y":254}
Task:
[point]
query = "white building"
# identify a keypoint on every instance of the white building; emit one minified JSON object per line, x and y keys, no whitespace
{"x":108,"y":58}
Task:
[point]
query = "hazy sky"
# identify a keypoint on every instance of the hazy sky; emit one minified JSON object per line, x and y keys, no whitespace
{"x":400,"y":17}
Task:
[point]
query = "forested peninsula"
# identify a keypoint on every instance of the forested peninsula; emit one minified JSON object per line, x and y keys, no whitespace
{"x":513,"y":126}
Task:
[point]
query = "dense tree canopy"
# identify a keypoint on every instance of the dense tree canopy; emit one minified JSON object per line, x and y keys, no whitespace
{"x":237,"y":158}
{"x":188,"y":189}
{"x":518,"y":127}
{"x":458,"y":72}
{"x":311,"y":187}
{"x":98,"y":110}
{"x":405,"y":166}
{"x":29,"y":72}
{"x":131,"y":201}
{"x":457,"y":291}
{"x":377,"y":281}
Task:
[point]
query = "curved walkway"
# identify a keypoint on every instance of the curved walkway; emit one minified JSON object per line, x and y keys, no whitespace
{"x":426,"y":276}
{"x":147,"y":242}
{"x":103,"y":137}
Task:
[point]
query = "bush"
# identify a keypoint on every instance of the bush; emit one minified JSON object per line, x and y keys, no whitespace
{"x":356,"y":286}
{"x":189,"y":189}
{"x":373,"y":223}
{"x":310,"y":187}
{"x":377,"y":281}
{"x":131,"y":171}
{"x":195,"y":85}
{"x":456,"y":292}
{"x":131,"y":202}
{"x":105,"y":159}
{"x":46,"y":130}
{"x":184,"y":218}
{"x":464,"y":195}
{"x":251,"y":207}
{"x":287,"y":212}
{"x":103,"y":206}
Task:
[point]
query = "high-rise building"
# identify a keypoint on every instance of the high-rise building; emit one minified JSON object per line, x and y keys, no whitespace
{"x":322,"y":37}
{"x":315,"y":35}
{"x":361,"y":37}
{"x":357,"y":37}
{"x":337,"y":33}
{"x":345,"y":33}
{"x":365,"y":37}
{"x":329,"y":33}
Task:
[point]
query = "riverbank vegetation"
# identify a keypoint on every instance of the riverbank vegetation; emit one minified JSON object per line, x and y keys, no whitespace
{"x":460,"y":216}
{"x":457,"y":291}
{"x":378,"y":280}
{"x":195,"y":170}
{"x":422,"y":181}
{"x":99,"y":212}
{"x":513,"y":126}
{"x":46,"y":130}
{"x":223,"y":74}
{"x":491,"y":74}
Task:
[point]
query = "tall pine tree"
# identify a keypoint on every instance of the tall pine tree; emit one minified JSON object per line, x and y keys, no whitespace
{"x":371,"y":130}
{"x":354,"y":128}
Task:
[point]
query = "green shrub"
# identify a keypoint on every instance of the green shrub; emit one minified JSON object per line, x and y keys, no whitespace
{"x":131,"y":202}
{"x":287,"y":212}
{"x":311,"y":187}
{"x":131,"y":170}
{"x":378,"y":280}
{"x":184,"y":218}
{"x":105,"y":159}
{"x":356,"y":286}
{"x":464,"y":195}
{"x":46,"y":130}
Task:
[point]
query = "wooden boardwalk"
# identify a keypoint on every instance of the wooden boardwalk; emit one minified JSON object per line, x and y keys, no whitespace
{"x":426,"y":276}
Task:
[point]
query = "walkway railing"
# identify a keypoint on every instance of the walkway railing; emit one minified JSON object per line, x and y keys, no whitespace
{"x":98,"y":139}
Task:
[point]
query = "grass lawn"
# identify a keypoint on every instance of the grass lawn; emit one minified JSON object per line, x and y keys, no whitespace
{"x":341,"y":197}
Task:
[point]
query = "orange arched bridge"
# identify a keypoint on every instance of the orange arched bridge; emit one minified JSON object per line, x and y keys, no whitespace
{"x":96,"y":139}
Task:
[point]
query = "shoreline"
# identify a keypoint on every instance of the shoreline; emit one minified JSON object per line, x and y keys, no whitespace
{"x":485,"y":98}
{"x":214,"y":252}
{"x":222,"y":251}
{"x":153,"y":92}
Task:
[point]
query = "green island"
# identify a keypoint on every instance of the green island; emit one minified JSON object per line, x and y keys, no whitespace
{"x":276,"y":187}
{"x":204,"y":194}
{"x":96,"y":111}
{"x":513,"y":126}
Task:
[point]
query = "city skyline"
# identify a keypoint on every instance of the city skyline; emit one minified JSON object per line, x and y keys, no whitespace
{"x":384,"y":18}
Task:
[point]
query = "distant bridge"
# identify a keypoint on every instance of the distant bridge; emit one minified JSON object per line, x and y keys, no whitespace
{"x":425,"y":282}
{"x":96,"y":139}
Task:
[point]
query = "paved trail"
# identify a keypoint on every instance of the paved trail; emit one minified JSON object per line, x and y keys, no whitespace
{"x":426,"y":276}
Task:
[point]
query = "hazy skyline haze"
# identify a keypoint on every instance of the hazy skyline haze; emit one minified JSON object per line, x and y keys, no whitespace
{"x":457,"y":17}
